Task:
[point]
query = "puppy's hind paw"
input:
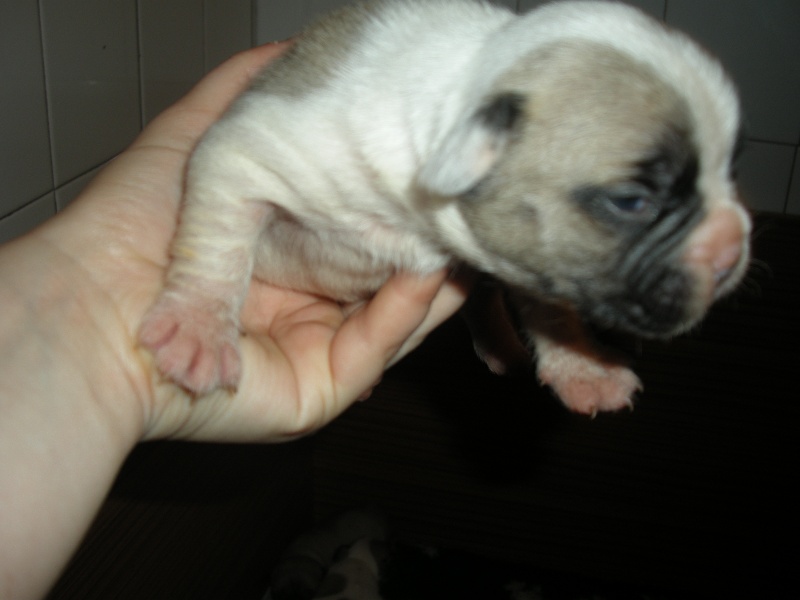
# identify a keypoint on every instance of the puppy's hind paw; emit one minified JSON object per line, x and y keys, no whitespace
{"x":192,"y":346}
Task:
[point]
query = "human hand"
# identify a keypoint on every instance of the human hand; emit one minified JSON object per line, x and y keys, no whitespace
{"x":305,"y":359}
{"x":77,"y":393}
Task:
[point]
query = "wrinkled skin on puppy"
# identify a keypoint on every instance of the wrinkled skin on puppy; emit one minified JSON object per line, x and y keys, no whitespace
{"x":578,"y":155}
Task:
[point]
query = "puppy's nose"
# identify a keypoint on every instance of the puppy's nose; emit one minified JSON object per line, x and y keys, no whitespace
{"x":718,"y":244}
{"x":726,"y":260}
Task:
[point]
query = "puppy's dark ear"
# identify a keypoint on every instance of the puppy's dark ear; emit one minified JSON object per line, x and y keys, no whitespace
{"x":472,"y":147}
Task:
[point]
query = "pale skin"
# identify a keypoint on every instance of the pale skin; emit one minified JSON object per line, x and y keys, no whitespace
{"x":77,"y":393}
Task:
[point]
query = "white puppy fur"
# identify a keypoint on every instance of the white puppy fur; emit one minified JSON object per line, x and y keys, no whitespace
{"x":579,"y":155}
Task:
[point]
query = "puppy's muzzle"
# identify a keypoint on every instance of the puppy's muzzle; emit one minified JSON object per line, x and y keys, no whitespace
{"x":718,"y":251}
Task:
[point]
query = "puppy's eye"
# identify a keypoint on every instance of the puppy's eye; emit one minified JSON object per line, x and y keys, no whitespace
{"x":631,"y":204}
{"x":626,"y":203}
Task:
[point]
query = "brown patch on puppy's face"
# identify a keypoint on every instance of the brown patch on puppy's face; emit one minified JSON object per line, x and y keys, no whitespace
{"x":601,"y":181}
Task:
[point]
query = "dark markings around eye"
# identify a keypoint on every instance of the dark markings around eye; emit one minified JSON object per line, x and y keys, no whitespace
{"x":680,"y":210}
{"x":662,"y":182}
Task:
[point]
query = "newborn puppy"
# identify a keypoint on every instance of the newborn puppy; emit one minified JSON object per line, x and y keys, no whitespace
{"x":580,"y":155}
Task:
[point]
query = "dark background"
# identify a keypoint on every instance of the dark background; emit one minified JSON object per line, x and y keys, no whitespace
{"x":694,"y":491}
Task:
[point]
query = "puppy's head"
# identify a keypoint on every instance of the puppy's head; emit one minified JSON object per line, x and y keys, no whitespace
{"x":597,"y":171}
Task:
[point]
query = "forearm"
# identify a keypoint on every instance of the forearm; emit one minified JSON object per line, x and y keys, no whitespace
{"x":62,"y":440}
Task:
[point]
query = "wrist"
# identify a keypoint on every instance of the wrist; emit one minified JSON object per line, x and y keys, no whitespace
{"x":68,"y":417}
{"x":71,"y":324}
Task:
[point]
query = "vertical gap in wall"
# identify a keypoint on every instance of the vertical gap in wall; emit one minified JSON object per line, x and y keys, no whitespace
{"x":48,"y":105}
{"x":666,"y":7}
{"x":140,"y":77}
{"x":253,"y":22}
{"x":204,"y":20}
{"x":791,"y":180}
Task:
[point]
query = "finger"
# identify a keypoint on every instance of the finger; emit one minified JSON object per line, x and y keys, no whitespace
{"x":229,"y":79}
{"x":372,"y":336}
{"x":180,"y":125}
{"x":448,"y":300}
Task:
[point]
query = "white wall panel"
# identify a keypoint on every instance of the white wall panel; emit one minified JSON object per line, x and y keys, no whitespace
{"x":228,"y":29}
{"x":25,"y":169}
{"x":793,"y":204}
{"x":172,"y":55}
{"x":91,"y":65}
{"x":759,"y":42}
{"x":764,"y":173}
{"x":27,"y":218}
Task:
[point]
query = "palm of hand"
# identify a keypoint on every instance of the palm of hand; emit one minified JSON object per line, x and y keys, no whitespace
{"x":305,"y":360}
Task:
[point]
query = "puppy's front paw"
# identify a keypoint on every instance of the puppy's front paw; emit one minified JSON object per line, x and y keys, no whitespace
{"x":586,"y":383}
{"x":192,"y":345}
